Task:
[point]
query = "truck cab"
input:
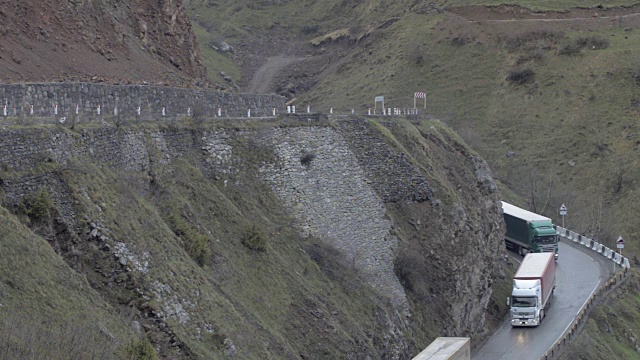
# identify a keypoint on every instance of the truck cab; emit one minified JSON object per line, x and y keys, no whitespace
{"x":526,"y":301}
{"x":545,"y":238}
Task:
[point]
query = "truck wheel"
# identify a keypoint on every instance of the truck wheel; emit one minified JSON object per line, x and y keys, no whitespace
{"x":541,"y":316}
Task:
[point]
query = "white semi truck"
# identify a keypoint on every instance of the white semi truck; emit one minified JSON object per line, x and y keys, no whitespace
{"x":533,"y":287}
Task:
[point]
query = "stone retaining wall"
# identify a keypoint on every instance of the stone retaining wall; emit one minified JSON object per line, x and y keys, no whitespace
{"x":97,"y":100}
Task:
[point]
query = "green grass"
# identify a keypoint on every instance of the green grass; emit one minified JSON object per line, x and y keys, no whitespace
{"x":190,"y":227}
{"x":571,"y":134}
{"x":214,"y":61}
{"x":42,"y":298}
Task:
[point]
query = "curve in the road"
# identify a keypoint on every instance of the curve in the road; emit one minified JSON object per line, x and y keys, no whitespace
{"x":578,"y":275}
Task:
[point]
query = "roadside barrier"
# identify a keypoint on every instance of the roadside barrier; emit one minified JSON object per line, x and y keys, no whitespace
{"x":594,"y":245}
{"x":166,"y":111}
{"x":585,"y":241}
{"x":600,"y":293}
{"x":574,"y":327}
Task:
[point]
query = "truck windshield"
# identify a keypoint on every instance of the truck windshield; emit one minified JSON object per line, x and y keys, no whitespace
{"x":545,"y":239}
{"x":523,"y":302}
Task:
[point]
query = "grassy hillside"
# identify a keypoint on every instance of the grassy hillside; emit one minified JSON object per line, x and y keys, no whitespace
{"x":48,"y":310}
{"x":177,"y":258}
{"x":218,"y":268}
{"x":558,"y":97}
{"x":551,"y":103}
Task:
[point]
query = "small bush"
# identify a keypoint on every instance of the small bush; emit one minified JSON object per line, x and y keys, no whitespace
{"x":635,"y":74}
{"x":409,"y":266}
{"x":255,"y":239}
{"x":461,"y":40}
{"x":592,"y":42}
{"x":516,"y":42}
{"x":37,"y":205}
{"x":309,"y":29}
{"x":532,"y":55}
{"x":194,"y":243}
{"x":416,"y":52}
{"x":569,"y":49}
{"x":139,"y":349}
{"x":307,"y":158}
{"x":521,"y":77}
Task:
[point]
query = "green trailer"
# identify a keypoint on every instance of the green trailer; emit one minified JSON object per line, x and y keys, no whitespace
{"x":528,"y":231}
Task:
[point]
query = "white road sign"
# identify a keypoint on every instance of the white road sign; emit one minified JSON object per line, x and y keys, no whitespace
{"x":563,"y":210}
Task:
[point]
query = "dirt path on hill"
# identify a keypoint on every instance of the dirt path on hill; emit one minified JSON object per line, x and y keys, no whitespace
{"x":263,"y":79}
{"x":508,"y":13}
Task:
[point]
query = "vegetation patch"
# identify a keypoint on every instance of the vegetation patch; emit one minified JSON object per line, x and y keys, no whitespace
{"x":195,"y":243}
{"x":37,"y":205}
{"x":255,"y":238}
{"x":537,"y":37}
{"x":139,"y":349}
{"x":307,"y":158}
{"x":521,"y":77}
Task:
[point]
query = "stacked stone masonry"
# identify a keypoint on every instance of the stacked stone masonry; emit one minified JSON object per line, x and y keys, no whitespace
{"x":56,"y":100}
{"x":339,"y":194}
{"x":391,"y":173}
{"x":332,"y":198}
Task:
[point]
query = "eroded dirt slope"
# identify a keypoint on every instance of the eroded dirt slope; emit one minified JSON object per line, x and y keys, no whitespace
{"x":114,"y":41}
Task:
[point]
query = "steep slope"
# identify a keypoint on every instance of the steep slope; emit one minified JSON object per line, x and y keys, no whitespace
{"x":267,"y":240}
{"x":112,"y":41}
{"x":549,"y":98}
{"x":49,"y":310}
{"x":547,"y":92}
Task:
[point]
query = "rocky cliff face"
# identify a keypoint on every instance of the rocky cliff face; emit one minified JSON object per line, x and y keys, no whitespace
{"x":344,"y":239}
{"x":132,"y":41}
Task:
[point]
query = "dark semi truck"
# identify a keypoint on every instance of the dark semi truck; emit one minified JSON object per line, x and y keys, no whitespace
{"x":529,"y":232}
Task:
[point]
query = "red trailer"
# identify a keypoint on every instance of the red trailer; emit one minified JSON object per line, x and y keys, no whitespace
{"x":533,"y":286}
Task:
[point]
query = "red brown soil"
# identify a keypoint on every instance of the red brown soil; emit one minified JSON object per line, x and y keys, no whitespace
{"x":131,"y":41}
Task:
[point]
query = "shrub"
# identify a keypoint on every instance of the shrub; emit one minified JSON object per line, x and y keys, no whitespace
{"x":521,"y":77}
{"x":309,"y":29}
{"x":635,"y":74}
{"x":139,"y":349}
{"x":194,"y":243}
{"x":516,"y":42}
{"x":37,"y":205}
{"x":409,"y":266}
{"x":307,"y":158}
{"x":416,"y":53}
{"x":592,"y":42}
{"x":569,"y":49}
{"x":255,"y":239}
{"x":461,"y":40}
{"x":531,"y":55}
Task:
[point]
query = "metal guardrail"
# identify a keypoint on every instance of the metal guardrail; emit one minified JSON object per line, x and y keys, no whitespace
{"x":572,"y":330}
{"x":600,"y":293}
{"x":594,"y":245}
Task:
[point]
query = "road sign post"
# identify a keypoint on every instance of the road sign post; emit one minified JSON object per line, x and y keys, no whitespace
{"x":563,"y":213}
{"x":620,"y":246}
{"x":378,"y":99}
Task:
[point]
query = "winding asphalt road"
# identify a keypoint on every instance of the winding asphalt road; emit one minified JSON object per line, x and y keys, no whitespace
{"x":579,"y":272}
